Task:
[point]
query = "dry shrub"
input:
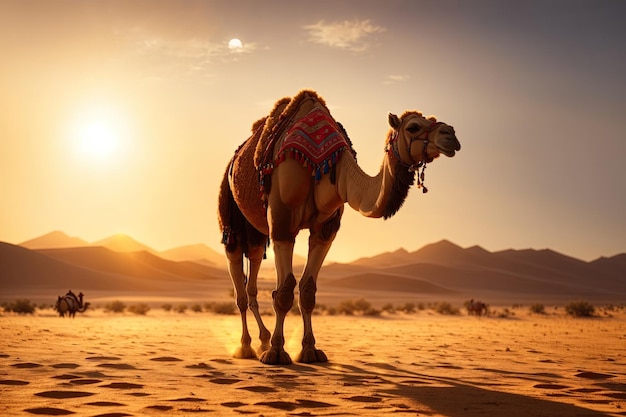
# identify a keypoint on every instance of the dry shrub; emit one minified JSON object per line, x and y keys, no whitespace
{"x":115,"y":307}
{"x":225,"y":308}
{"x":538,"y":309}
{"x":579,"y":309}
{"x":20,"y":306}
{"x":447,"y":309}
{"x":140,"y":309}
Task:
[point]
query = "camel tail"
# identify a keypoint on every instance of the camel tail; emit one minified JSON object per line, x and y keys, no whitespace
{"x":236,"y":229}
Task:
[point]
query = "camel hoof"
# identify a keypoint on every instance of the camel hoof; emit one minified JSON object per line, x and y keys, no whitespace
{"x":311,"y":355}
{"x":275,"y":357}
{"x":245,"y":352}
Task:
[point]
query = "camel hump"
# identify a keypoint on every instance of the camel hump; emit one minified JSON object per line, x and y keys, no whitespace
{"x":285,"y":112}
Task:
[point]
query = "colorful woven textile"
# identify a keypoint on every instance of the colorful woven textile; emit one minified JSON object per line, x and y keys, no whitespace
{"x":316,"y":141}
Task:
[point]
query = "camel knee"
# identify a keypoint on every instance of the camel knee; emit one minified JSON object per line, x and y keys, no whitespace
{"x":242,"y":302}
{"x":308,"y":288}
{"x":283,"y":295}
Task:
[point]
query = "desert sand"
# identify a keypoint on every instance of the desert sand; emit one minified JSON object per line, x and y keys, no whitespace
{"x":422,"y":364}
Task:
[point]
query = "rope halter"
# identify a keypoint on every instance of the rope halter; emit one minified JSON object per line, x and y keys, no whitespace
{"x":414,"y":166}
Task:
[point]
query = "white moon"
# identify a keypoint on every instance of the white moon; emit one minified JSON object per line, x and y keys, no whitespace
{"x":235,"y":44}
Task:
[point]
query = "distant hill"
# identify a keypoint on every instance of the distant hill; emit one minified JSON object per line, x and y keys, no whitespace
{"x":50,"y":272}
{"x":477,"y":272}
{"x":123,"y":243}
{"x":199,"y":253}
{"x":441,"y":269}
{"x":54,"y":239}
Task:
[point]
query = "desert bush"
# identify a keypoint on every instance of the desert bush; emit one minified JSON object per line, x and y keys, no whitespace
{"x":579,"y":309}
{"x":371,"y":311}
{"x":389,"y":308}
{"x":196,"y":308}
{"x":408,"y":307}
{"x":115,"y":307}
{"x":226,"y":308}
{"x":139,"y":309}
{"x":167,"y":307}
{"x":181,"y":308}
{"x":346,"y":307}
{"x":447,"y":309}
{"x":21,"y":306}
{"x":538,"y":308}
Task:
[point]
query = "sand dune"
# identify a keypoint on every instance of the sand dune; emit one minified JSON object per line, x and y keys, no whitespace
{"x":423,"y":365}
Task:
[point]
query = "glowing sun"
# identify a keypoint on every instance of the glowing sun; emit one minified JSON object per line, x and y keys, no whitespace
{"x":235,"y":44}
{"x":97,"y":139}
{"x":98,"y":135}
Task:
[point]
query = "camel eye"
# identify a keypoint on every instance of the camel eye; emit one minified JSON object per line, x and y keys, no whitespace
{"x":413,"y":128}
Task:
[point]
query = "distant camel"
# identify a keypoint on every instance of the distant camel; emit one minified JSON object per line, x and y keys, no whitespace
{"x":476,"y":308}
{"x":70,"y":304}
{"x":297,"y":171}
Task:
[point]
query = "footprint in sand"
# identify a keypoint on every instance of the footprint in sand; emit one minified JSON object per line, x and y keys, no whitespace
{"x":233,"y":404}
{"x":593,"y":375}
{"x":26,"y":365}
{"x":85,"y":381}
{"x":103,"y":358}
{"x":105,"y":404}
{"x":201,"y":365}
{"x":121,"y":366}
{"x":364,"y":399}
{"x":314,"y":404}
{"x":550,"y":386}
{"x":160,"y":407}
{"x":224,"y":381}
{"x":189,"y":399}
{"x":255,"y":388}
{"x":280,"y":405}
{"x":65,"y":366}
{"x":59,"y":395}
{"x":48,"y":411}
{"x":166,"y":359}
{"x":122,"y":385}
{"x":14,"y":382}
{"x":66,"y":376}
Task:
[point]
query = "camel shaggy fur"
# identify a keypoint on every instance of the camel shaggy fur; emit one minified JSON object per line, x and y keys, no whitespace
{"x":273,"y":190}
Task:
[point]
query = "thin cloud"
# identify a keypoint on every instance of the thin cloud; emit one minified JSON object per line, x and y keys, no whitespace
{"x":394,"y":78}
{"x":353,"y":35}
{"x":179,"y":56}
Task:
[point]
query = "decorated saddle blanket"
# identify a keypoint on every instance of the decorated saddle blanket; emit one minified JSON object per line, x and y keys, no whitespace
{"x":315,"y":140}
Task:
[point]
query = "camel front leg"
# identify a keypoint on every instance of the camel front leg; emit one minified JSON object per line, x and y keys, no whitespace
{"x":283,"y":301}
{"x":318,"y":249}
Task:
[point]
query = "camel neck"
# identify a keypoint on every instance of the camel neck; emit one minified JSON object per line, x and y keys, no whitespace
{"x":364,"y":193}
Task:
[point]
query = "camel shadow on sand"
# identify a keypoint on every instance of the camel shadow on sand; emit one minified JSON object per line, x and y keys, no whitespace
{"x":410,"y":391}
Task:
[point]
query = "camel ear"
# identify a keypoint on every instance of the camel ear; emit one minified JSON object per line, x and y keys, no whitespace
{"x":394,"y":121}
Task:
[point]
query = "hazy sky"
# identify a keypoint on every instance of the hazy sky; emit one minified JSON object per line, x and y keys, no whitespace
{"x":120,"y":116}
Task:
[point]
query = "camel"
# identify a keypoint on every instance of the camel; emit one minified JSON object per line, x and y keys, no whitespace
{"x":296,"y":171}
{"x":71,"y":304}
{"x":476,"y":308}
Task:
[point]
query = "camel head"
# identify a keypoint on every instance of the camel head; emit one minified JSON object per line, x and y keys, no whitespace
{"x":419,"y":139}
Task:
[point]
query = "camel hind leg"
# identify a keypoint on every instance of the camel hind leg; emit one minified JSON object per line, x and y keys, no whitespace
{"x":242,"y":240}
{"x":246,"y":297}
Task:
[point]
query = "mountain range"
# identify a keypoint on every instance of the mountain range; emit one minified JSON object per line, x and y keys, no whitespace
{"x":121,"y":265}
